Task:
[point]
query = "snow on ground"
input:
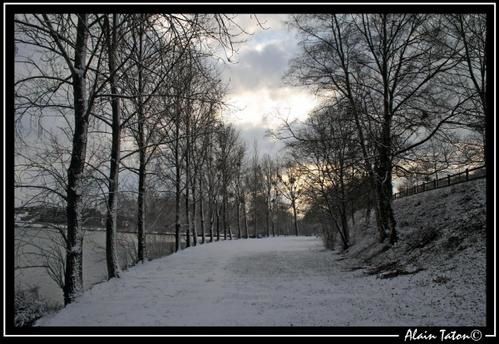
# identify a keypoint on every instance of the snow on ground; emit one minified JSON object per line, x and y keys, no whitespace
{"x":289,"y":281}
{"x":286,"y":281}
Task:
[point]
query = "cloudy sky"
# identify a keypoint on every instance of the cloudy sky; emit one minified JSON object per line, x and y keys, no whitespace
{"x":257,"y":96}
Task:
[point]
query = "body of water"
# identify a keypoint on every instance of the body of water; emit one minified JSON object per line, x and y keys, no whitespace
{"x":40,"y":253}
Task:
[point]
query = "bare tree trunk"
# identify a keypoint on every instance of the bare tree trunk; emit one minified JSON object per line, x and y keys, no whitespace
{"x":333,"y":220}
{"x":141,"y":252}
{"x":73,"y":276}
{"x":343,"y":209}
{"x":384,"y":172}
{"x":218,"y":221}
{"x":386,"y":213}
{"x":275,"y":209}
{"x":267,"y":214}
{"x":201,"y":208}
{"x":211,"y":214}
{"x":238,"y":215}
{"x":178,"y":226}
{"x":370,"y":172}
{"x":187,"y":220}
{"x":385,"y":175}
{"x":279,"y":222}
{"x":295,"y":221}
{"x":142,"y":155}
{"x":254,"y":215}
{"x":229,"y":227}
{"x":344,"y":226}
{"x":195,"y":170}
{"x":273,"y":224}
{"x":245,"y":217}
{"x":224,"y":210}
{"x":194,"y":224}
{"x":113,"y":269}
{"x":187,"y":180}
{"x":212,"y":220}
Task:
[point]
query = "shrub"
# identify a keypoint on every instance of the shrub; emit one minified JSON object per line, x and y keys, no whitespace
{"x":28,"y":307}
{"x":422,"y":237}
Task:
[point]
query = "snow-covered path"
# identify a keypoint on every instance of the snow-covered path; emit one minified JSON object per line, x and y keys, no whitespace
{"x":259,"y":282}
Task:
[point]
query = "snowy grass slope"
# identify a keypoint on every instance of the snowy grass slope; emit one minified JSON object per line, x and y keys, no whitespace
{"x":442,"y":233}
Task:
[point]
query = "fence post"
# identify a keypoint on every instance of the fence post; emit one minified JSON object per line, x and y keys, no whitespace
{"x":448,"y":179}
{"x":467,"y":174}
{"x":424,"y":187}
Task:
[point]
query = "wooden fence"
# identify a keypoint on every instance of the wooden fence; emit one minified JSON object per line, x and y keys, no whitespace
{"x":437,"y":183}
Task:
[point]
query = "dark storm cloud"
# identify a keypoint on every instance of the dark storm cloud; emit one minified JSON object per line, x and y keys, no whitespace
{"x":261,"y":68}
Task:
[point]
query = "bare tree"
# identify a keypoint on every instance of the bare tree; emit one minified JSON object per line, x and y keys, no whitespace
{"x":470,"y":74}
{"x":269,"y":176}
{"x":387,"y":67}
{"x":72,"y":39}
{"x":239,"y":192}
{"x":112,"y":213}
{"x":256,"y":185}
{"x":291,"y":189}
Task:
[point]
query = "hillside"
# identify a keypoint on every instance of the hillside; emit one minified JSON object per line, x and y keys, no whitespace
{"x":442,"y":247}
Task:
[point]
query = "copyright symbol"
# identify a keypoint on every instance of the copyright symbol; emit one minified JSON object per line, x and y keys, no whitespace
{"x":476,"y":335}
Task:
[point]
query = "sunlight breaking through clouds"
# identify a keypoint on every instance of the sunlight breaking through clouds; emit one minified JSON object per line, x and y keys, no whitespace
{"x":269,"y":107}
{"x":258,"y":98}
